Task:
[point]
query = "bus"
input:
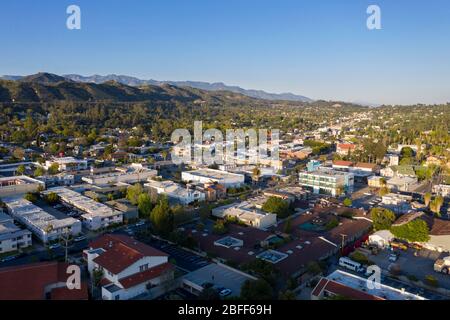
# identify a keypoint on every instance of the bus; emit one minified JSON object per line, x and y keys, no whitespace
{"x":350,"y":264}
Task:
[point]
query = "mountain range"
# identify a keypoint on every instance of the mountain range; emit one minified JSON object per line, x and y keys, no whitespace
{"x":136,"y":82}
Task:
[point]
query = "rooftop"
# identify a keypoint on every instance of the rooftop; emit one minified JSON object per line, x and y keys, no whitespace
{"x":213,"y":174}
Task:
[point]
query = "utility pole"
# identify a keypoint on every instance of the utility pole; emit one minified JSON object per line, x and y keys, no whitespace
{"x":65,"y":238}
{"x":343,"y":242}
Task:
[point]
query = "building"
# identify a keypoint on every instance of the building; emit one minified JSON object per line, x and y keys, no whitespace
{"x":365,"y":167}
{"x":381,"y":238}
{"x":327,"y":181}
{"x":132,"y":174}
{"x":376,"y":181}
{"x":345,"y":148}
{"x":246,"y":213}
{"x":442,"y":189}
{"x":12,"y":238}
{"x":61,"y":179}
{"x":130,"y":268}
{"x":129,"y":211}
{"x":342,"y":165}
{"x":39,"y":281}
{"x":402,"y":183}
{"x":397,"y":202}
{"x":227,"y":179}
{"x":67,"y":164}
{"x":352,"y":287}
{"x":42,"y":224}
{"x":96,"y":216}
{"x":19,"y":185}
{"x":176,"y":192}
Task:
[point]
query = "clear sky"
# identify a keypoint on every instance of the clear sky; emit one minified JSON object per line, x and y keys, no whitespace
{"x":318,"y":48}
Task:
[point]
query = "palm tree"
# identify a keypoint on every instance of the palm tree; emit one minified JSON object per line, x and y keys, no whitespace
{"x":427,"y":198}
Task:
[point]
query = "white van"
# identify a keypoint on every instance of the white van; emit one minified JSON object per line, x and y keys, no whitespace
{"x":350,"y":264}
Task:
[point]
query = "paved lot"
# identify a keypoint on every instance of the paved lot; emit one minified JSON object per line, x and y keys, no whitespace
{"x":419,"y":266}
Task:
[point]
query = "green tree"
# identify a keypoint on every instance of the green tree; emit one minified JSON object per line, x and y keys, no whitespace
{"x":53,"y":169}
{"x":162,"y":217}
{"x":133,"y":193}
{"x":30,"y":197}
{"x":436,"y":205}
{"x":205,"y":212}
{"x":347,"y":202}
{"x":145,"y":205}
{"x":220,"y":227}
{"x":382,"y":218}
{"x":52,"y":198}
{"x":278,"y":206}
{"x":427,"y":198}
{"x":21,"y":169}
{"x":39,"y":172}
{"x":413,"y":231}
{"x":256,"y":290}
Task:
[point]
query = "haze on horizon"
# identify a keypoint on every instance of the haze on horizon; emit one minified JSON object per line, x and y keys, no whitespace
{"x":319,"y":49}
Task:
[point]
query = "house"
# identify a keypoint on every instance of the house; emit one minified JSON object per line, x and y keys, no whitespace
{"x":345,"y":148}
{"x":39,"y":281}
{"x":129,"y":268}
{"x":399,"y":171}
{"x":175,"y":192}
{"x":19,"y":185}
{"x":12,"y":238}
{"x":352,"y":287}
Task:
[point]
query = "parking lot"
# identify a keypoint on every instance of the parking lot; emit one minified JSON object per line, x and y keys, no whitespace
{"x":419,"y":265}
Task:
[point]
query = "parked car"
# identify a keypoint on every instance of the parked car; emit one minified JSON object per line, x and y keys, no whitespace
{"x":54,"y":246}
{"x":80,"y":238}
{"x":224,"y":292}
{"x":140,"y":223}
{"x":393,"y":257}
{"x":9,"y":258}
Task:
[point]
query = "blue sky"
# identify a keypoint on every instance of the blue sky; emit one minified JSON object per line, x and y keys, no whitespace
{"x":318,"y":48}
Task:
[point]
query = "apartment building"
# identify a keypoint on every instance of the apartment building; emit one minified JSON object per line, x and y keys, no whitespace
{"x":327,"y":181}
{"x":67,"y":164}
{"x":42,"y":224}
{"x":132,"y":174}
{"x":18,"y":185}
{"x":130,"y":268}
{"x":12,"y":238}
{"x":96,"y":216}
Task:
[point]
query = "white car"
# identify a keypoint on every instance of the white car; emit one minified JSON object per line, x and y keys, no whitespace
{"x":225,"y":292}
{"x":140,"y":223}
{"x":54,"y":246}
{"x":80,"y":238}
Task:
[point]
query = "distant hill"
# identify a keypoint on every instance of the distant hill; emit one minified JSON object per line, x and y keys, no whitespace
{"x":218,"y":86}
{"x":45,"y":87}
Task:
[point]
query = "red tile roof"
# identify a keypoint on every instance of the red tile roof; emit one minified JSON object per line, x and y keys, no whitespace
{"x":336,"y":288}
{"x":346,"y":146}
{"x":28,"y":282}
{"x":122,"y":252}
{"x":365,"y":165}
{"x":144,"y":276}
{"x":342,"y":163}
{"x":65,"y":294}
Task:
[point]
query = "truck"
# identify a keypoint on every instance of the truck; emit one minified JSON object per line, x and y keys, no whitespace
{"x":442,"y":265}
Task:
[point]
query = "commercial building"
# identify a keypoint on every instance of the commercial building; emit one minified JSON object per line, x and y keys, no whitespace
{"x":327,"y":181}
{"x":442,"y":189}
{"x":67,"y":164}
{"x":39,"y":281}
{"x":132,"y":174}
{"x":402,"y":183}
{"x":12,"y":238}
{"x":96,"y":216}
{"x":227,"y":179}
{"x":246,"y":212}
{"x":352,"y":287}
{"x":175,"y":192}
{"x":376,"y":181}
{"x":130,"y":268}
{"x":42,"y":224}
{"x":19,"y":185}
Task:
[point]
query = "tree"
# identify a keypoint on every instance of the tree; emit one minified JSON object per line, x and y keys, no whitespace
{"x":278,"y":206}
{"x":30,"y":197}
{"x":288,"y":226}
{"x":413,"y":231}
{"x":133,"y":193}
{"x":220,"y":227}
{"x":21,"y":169}
{"x":382,"y":218}
{"x":256,"y":172}
{"x":145,"y":205}
{"x":162,"y":217}
{"x":256,"y":290}
{"x":436,"y":205}
{"x":347,"y":202}
{"x":19,"y":153}
{"x":52,"y":198}
{"x":39,"y":172}
{"x":427,"y":198}
{"x":205,"y":212}
{"x":54,"y":169}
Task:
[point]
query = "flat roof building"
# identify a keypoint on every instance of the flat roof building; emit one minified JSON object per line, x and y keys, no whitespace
{"x":96,"y":216}
{"x":67,"y":164}
{"x":12,"y":238}
{"x":18,"y":185}
{"x":327,"y":181}
{"x":176,"y":192}
{"x":224,"y":178}
{"x":131,"y":174}
{"x":41,"y":223}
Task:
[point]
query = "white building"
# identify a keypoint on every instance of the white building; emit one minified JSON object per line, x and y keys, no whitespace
{"x":402,"y":183}
{"x":12,"y":238}
{"x":132,"y":174}
{"x":327,"y":181}
{"x":45,"y":226}
{"x":130,"y":268}
{"x":227,"y":179}
{"x":176,"y":192}
{"x":67,"y":164}
{"x":381,"y":238}
{"x":19,"y":185}
{"x":246,"y":213}
{"x":442,"y":189}
{"x":96,"y":216}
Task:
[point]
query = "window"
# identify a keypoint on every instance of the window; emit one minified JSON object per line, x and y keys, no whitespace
{"x":143,"y":267}
{"x":117,"y":297}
